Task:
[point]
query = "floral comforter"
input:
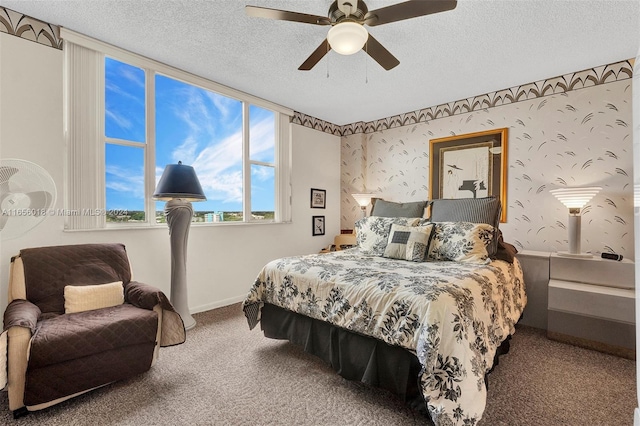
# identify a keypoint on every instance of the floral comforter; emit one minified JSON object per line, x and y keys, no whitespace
{"x":452,"y":315}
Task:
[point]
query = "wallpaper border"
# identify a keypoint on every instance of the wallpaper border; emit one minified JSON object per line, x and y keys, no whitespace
{"x":610,"y":73}
{"x":28,"y":28}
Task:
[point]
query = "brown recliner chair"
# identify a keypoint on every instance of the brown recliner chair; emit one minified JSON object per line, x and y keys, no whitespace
{"x":51,"y":355}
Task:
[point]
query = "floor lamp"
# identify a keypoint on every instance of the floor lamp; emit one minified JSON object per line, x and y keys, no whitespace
{"x":178,"y":186}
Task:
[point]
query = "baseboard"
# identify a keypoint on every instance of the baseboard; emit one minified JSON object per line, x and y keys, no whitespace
{"x":218,"y":304}
{"x":636,"y":417}
{"x":601,"y":334}
{"x":593,"y":345}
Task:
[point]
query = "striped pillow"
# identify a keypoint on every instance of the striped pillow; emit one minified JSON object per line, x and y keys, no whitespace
{"x":385,"y":208}
{"x":474,"y":210}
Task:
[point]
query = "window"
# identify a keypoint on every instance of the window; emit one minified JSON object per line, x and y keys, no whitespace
{"x":203,"y":129}
{"x":125,"y":141}
{"x":151,"y":115}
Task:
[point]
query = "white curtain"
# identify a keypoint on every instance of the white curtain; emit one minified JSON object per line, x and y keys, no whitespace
{"x":84,"y":122}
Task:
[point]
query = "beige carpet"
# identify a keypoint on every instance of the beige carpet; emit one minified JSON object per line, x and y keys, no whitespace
{"x":228,"y":375}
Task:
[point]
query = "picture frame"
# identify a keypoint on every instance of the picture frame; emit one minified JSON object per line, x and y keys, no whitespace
{"x":473,"y":165}
{"x":317,"y":223}
{"x":318,"y":198}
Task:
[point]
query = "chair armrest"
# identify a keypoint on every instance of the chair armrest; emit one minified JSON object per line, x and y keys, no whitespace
{"x":20,"y":320}
{"x":21,"y":313}
{"x":145,"y":296}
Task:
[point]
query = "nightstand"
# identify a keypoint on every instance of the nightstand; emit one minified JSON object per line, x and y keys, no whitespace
{"x":592,"y":303}
{"x":535,"y":267}
{"x":341,"y":242}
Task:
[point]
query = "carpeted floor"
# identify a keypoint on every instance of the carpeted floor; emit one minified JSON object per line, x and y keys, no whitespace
{"x":228,"y":375}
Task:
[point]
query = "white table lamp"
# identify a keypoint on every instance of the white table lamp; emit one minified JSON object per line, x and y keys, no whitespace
{"x":178,"y":186}
{"x":363,"y":201}
{"x":575,"y":199}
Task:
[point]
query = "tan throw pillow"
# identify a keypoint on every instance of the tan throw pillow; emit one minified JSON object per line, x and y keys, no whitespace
{"x":88,"y":297}
{"x":372,"y":232}
{"x":408,"y":242}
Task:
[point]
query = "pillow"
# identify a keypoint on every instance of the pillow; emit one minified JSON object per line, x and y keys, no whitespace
{"x":408,"y":242}
{"x":372,"y":232}
{"x":88,"y":297}
{"x":475,"y":210}
{"x":506,"y":251}
{"x":461,"y":242}
{"x":382,"y":208}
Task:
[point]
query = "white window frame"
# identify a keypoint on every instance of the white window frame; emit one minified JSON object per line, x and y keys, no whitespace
{"x":84,"y":187}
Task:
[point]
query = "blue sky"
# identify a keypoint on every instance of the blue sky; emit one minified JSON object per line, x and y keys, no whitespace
{"x":196,"y":126}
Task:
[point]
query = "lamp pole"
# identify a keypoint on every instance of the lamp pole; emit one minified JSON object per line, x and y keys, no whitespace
{"x":179,"y":213}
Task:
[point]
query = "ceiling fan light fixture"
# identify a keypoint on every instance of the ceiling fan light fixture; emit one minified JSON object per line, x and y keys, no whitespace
{"x":347,"y":38}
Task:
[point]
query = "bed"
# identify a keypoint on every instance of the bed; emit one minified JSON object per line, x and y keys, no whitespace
{"x":420,"y":307}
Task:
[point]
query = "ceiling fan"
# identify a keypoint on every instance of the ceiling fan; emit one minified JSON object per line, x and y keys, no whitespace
{"x":347,"y":19}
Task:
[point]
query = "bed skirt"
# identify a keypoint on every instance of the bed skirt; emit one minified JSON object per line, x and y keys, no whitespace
{"x":354,"y":356}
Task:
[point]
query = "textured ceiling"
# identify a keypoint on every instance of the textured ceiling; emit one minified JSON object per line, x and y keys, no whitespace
{"x":479,"y":47}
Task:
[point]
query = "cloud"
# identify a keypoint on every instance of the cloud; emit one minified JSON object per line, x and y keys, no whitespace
{"x":262,"y":136}
{"x":186,"y":152}
{"x":124,"y":104}
{"x":127,"y":180}
{"x":133,"y":74}
{"x":219,"y":169}
{"x":119,"y":120}
{"x":190,"y":105}
{"x":262,"y":173}
{"x":223,"y":104}
{"x":117,"y":90}
{"x":212,"y":141}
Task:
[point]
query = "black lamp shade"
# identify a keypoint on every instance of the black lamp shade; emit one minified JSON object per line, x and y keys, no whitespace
{"x":179,"y":181}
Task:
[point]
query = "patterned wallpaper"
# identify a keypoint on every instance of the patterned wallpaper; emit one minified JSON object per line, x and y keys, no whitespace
{"x":23,"y":26}
{"x":622,"y":70}
{"x":571,"y":138}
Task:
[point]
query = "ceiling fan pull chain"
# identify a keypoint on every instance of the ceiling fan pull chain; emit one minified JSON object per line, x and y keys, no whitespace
{"x":366,"y":63}
{"x":327,"y":61}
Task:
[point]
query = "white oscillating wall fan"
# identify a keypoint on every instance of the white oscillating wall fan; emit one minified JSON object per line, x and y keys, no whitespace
{"x":27,"y":195}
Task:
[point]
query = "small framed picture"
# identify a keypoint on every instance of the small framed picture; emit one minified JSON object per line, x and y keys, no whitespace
{"x":318,"y":198}
{"x":318,"y":225}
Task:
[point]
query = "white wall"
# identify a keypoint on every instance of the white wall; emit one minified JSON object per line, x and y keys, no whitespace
{"x":223,"y":260}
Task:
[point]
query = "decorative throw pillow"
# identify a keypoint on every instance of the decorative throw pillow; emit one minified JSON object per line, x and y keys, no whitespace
{"x":88,"y":297}
{"x":461,"y":242}
{"x":475,"y":210}
{"x":382,"y":208}
{"x":372,"y":232}
{"x":408,"y":242}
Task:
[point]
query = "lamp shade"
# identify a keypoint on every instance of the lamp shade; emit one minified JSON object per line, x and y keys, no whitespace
{"x":347,"y":38}
{"x":179,"y":181}
{"x":575,"y":198}
{"x":363,"y":200}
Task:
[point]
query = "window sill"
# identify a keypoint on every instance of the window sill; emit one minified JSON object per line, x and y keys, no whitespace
{"x":164,"y":226}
